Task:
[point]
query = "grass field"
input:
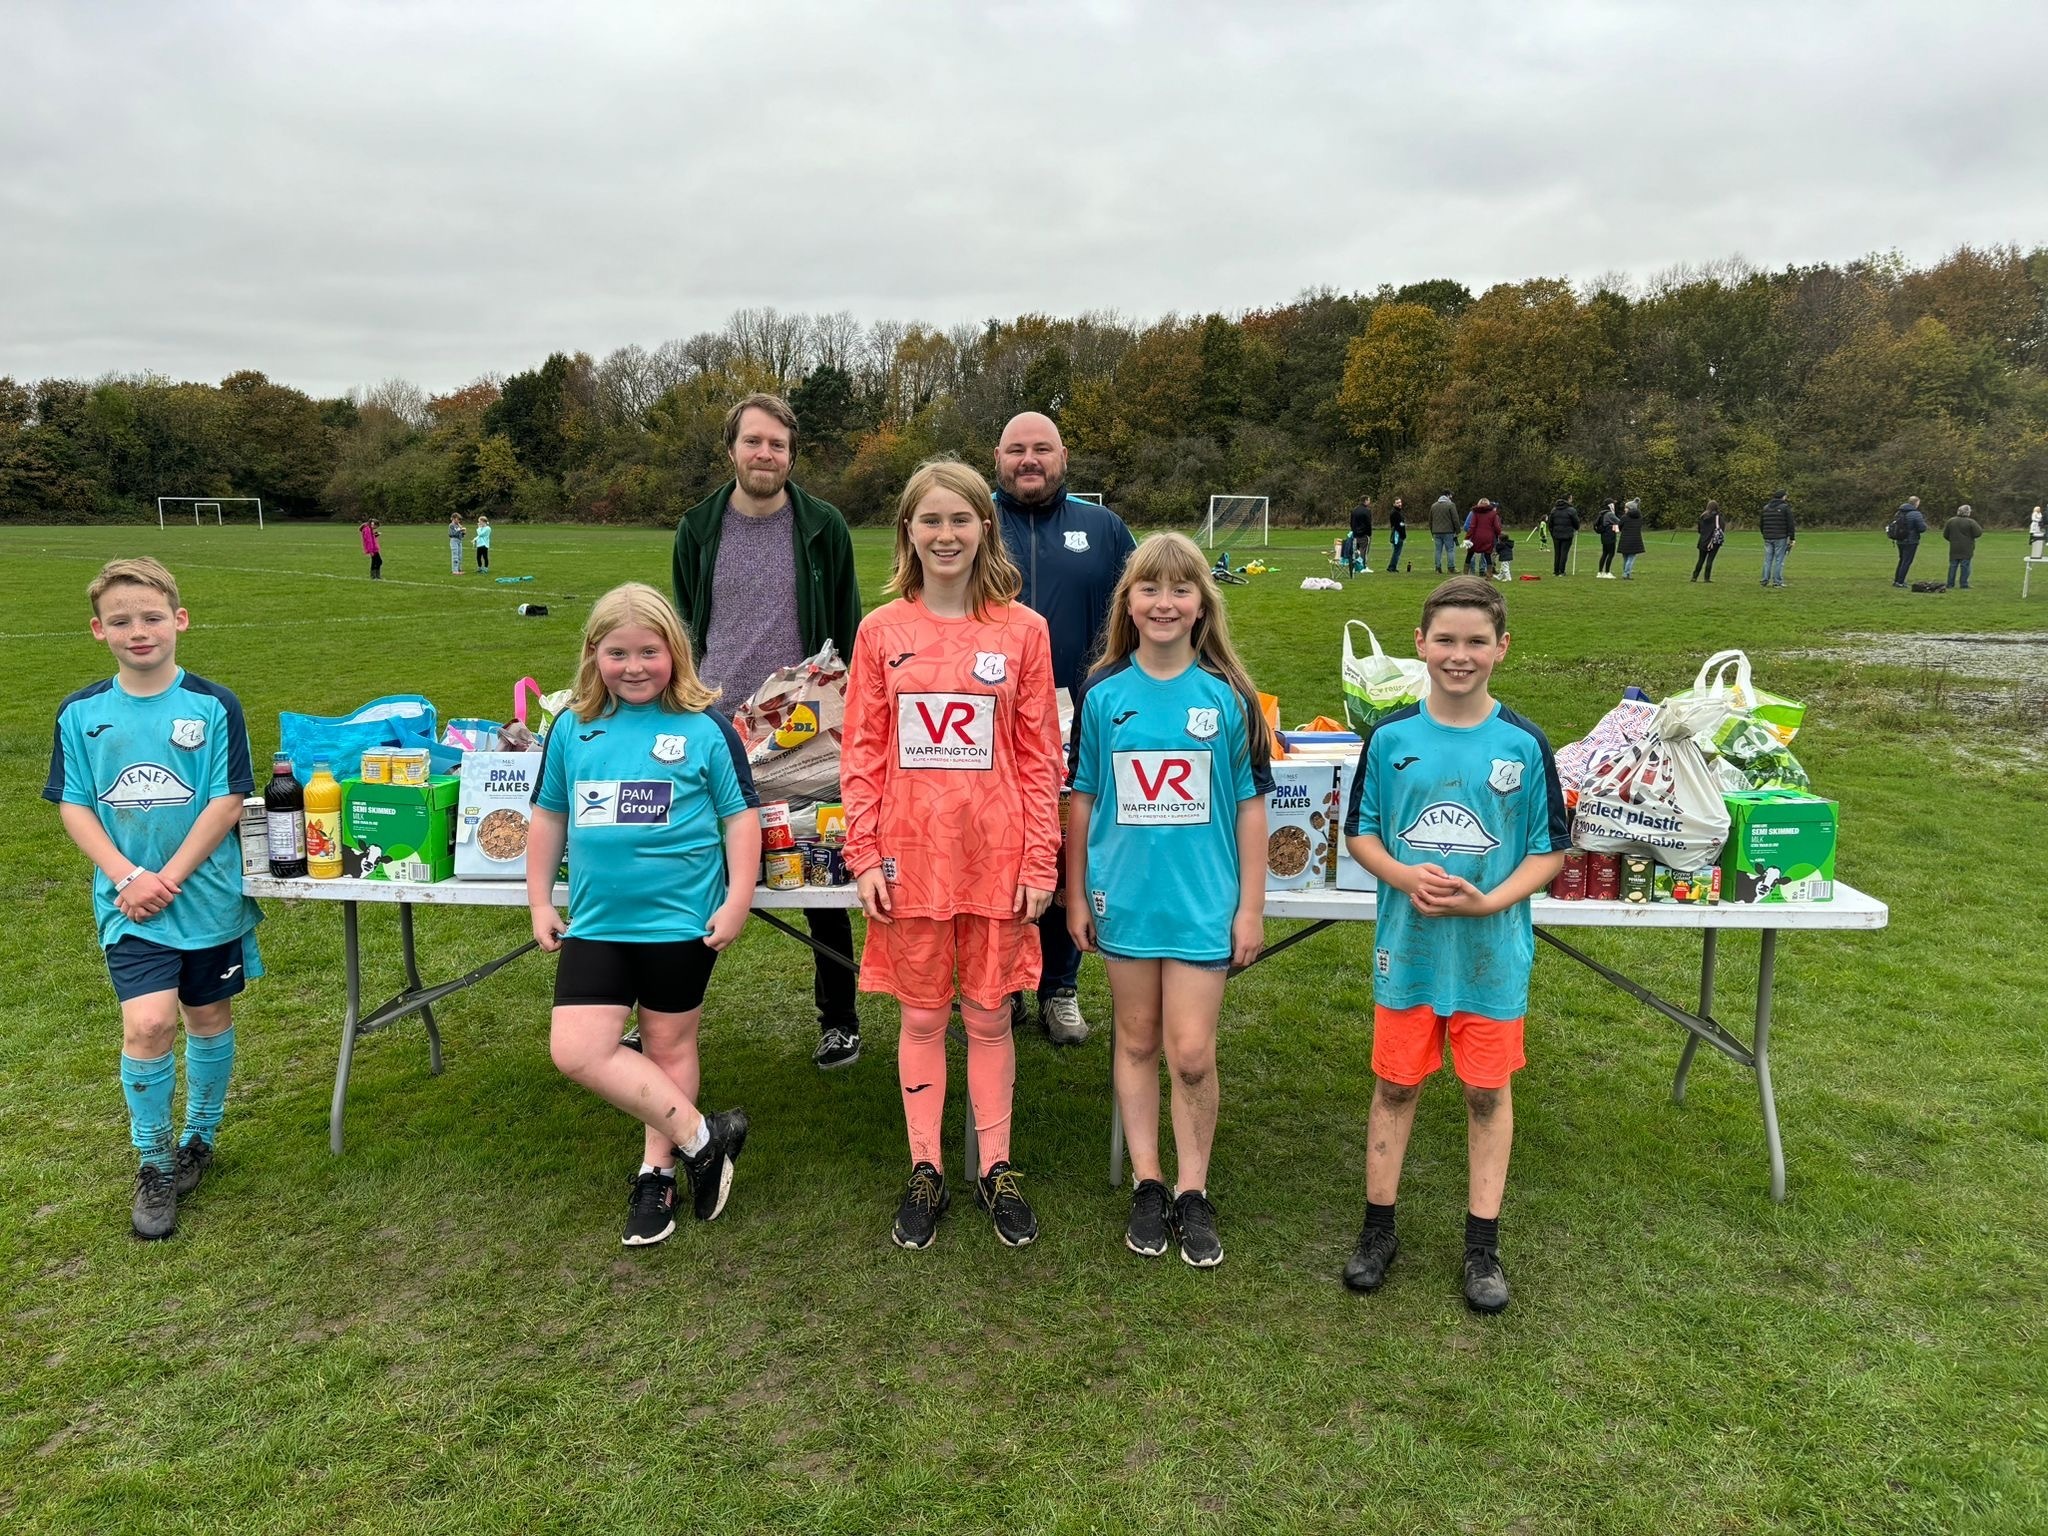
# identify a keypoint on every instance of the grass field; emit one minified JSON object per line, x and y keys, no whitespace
{"x":439,"y":1332}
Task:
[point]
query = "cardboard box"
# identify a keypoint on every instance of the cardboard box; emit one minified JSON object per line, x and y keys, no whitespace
{"x":399,"y":831}
{"x":494,"y":813}
{"x":1351,"y":875}
{"x":1781,"y":847}
{"x":1299,"y":825}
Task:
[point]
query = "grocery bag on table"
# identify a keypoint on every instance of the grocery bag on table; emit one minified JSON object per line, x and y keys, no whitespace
{"x":1621,"y":727}
{"x":1724,"y":678}
{"x":402,"y":720}
{"x":791,"y":729}
{"x":1377,"y":684}
{"x":1658,"y":795}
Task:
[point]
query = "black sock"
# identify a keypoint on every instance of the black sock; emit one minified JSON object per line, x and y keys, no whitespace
{"x":1482,"y":1232}
{"x":1379,"y":1216}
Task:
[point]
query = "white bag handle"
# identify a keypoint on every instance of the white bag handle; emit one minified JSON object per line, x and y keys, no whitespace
{"x":1349,"y":653}
{"x":1715,"y":668}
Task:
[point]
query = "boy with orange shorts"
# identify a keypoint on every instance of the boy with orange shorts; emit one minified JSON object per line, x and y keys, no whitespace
{"x":1456,"y":809}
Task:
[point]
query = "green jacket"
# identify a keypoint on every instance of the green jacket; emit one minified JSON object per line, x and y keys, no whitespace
{"x":827,"y":591}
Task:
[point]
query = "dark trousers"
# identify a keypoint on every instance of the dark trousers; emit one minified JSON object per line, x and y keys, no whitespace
{"x":483,"y":557}
{"x":376,"y":567}
{"x":832,"y":984}
{"x":1907,"y":551}
{"x":1394,"y":559}
{"x":1705,"y":564}
{"x":1560,"y":551}
{"x":1061,"y":967}
{"x":1607,"y":552}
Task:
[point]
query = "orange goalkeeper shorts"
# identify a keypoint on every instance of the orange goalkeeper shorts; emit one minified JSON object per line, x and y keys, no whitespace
{"x":917,"y":959}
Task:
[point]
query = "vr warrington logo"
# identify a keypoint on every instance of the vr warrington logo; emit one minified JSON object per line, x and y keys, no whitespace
{"x":145,"y":786}
{"x":1447,"y":827}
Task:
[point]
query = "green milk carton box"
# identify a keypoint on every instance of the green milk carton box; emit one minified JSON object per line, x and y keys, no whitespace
{"x":399,"y":831}
{"x":1781,"y":847}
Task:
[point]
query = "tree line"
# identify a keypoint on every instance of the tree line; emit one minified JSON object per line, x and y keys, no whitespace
{"x":1849,"y":386}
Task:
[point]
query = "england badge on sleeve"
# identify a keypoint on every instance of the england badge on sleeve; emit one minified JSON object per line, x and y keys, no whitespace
{"x":669,"y":749}
{"x":188,"y":733}
{"x":990,"y":666}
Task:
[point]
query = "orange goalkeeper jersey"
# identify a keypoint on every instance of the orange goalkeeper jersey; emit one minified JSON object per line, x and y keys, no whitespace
{"x":951,"y":758}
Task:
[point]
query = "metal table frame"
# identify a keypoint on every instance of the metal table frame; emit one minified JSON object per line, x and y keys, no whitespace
{"x":1322,"y":909}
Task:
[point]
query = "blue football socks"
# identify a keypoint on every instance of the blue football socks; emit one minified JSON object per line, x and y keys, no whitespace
{"x":147,"y":1085}
{"x":209,"y":1060}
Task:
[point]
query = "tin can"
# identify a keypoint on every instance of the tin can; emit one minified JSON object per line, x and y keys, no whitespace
{"x":377,"y":766}
{"x":1570,"y":884}
{"x":1603,"y":877}
{"x":255,"y":825}
{"x":1638,"y":883}
{"x":831,"y":822}
{"x":411,"y":767}
{"x":783,"y":870}
{"x":824,"y":865}
{"x":775,"y":834}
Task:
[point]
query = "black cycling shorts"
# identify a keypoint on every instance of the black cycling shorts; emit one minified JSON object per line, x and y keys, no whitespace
{"x":664,"y":977}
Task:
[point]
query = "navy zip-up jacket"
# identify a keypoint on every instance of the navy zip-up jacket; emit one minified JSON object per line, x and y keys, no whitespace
{"x":1071,"y":553}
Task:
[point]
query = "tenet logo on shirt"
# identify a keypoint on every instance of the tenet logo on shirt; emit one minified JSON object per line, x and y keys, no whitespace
{"x":145,"y":786}
{"x":623,"y":802}
{"x":945,"y":730}
{"x":1444,"y":826}
{"x":1161,"y":789}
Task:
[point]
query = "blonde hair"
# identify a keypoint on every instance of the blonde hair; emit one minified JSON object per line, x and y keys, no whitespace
{"x":638,"y":603}
{"x":994,"y":577}
{"x":138,"y":572}
{"x":1167,"y":558}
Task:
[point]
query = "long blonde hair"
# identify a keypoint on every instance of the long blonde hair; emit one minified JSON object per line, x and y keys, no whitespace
{"x":638,"y":603}
{"x":1167,"y":558}
{"x":994,"y":577}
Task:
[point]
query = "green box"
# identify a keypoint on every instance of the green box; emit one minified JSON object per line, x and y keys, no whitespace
{"x":1781,"y":847}
{"x":399,"y":831}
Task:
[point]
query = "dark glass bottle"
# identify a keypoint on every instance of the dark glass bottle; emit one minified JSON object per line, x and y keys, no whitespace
{"x":284,"y":820}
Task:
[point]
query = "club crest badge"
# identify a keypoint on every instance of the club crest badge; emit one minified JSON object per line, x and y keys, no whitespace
{"x":1077,"y":540}
{"x":188,"y":733}
{"x":669,"y":749}
{"x":1204,"y":723}
{"x":1444,"y":826}
{"x":1506,"y":777}
{"x":991,"y":666}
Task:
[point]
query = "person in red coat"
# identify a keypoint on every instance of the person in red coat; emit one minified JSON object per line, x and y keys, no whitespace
{"x":1485,"y":534}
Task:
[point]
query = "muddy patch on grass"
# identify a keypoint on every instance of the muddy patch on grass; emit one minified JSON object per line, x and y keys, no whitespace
{"x":2019,"y":658}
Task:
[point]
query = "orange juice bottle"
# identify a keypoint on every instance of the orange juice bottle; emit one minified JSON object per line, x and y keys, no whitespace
{"x":323,"y":824}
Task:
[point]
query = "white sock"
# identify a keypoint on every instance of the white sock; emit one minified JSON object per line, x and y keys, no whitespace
{"x":666,"y":1173}
{"x":700,"y":1140}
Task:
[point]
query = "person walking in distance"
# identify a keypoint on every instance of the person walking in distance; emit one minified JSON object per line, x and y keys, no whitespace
{"x":1906,"y":527}
{"x":1397,"y":533}
{"x":1711,"y":536}
{"x":1443,"y":535}
{"x":1564,"y":527}
{"x":1962,"y":532}
{"x":1070,"y":555}
{"x":763,"y":578}
{"x":374,"y":548}
{"x":1779,"y":534}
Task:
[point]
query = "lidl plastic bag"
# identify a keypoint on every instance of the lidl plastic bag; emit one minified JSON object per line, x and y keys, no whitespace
{"x":1724,"y":678}
{"x":791,"y":729}
{"x":1658,"y":795}
{"x":1376,"y":685}
{"x":404,"y":720}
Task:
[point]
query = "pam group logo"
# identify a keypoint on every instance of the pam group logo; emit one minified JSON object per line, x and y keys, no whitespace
{"x":1162,"y":789}
{"x":623,"y":802}
{"x":946,"y":730}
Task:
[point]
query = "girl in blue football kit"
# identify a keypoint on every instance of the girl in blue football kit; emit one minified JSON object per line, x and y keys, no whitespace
{"x":648,"y":789}
{"x":1170,"y":763}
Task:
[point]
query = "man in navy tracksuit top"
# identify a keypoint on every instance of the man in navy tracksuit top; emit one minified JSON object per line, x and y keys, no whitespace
{"x":1071,"y":553}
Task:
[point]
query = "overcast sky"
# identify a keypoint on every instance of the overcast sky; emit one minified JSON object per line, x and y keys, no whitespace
{"x":339,"y":193}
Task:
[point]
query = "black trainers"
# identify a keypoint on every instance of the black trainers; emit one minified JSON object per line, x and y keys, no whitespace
{"x":194,"y":1158}
{"x":1146,"y":1233}
{"x":156,"y":1203}
{"x":650,"y":1209}
{"x":1486,"y":1283}
{"x":711,"y":1170}
{"x":1366,"y":1269}
{"x":1194,"y":1218}
{"x":925,"y":1199}
{"x":836,"y":1048}
{"x":997,"y":1193}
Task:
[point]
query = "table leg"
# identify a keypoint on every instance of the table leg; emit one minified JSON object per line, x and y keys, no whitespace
{"x":413,"y":983}
{"x":1766,"y":975}
{"x":352,"y":968}
{"x":1709,"y":943}
{"x":1116,"y":1116}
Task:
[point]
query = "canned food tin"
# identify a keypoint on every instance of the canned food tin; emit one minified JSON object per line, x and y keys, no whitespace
{"x":1638,"y":884}
{"x":783,"y":870}
{"x":410,"y":767}
{"x":377,"y":766}
{"x":1603,"y":877}
{"x":775,"y":834}
{"x":823,"y":865}
{"x":1570,"y":884}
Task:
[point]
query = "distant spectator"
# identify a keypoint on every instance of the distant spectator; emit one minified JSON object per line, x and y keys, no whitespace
{"x":1712,"y":535}
{"x":1485,"y":530}
{"x":373,"y":548}
{"x":1504,"y":555}
{"x":2037,"y":536}
{"x":483,"y":542}
{"x":1397,"y":532}
{"x":1358,"y":547}
{"x":1962,"y":532}
{"x":1608,"y":526}
{"x":455,"y":533}
{"x":1631,"y":537}
{"x":1443,"y":533}
{"x":1564,"y":527}
{"x":1907,"y":525}
{"x":1775,"y":524}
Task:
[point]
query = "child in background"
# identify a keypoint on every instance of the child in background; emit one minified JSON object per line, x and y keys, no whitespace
{"x":1504,"y":556}
{"x":1456,"y":809}
{"x":1170,"y":746}
{"x":149,"y":771}
{"x":951,"y":779}
{"x":483,"y":543}
{"x":648,"y":788}
{"x":373,"y":548}
{"x":455,"y":532}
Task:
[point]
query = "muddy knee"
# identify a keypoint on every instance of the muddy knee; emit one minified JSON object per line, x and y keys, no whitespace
{"x":1484,"y":1103}
{"x":1397,"y":1095}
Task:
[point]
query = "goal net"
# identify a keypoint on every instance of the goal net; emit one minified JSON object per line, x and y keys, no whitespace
{"x":218,"y":510}
{"x":1235,"y":520}
{"x":1094,"y":496}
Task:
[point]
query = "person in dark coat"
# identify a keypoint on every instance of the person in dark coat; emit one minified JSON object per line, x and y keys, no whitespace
{"x":1962,"y":532}
{"x":1608,"y":526}
{"x":1911,"y":525}
{"x":1631,"y":541}
{"x":1774,"y":523}
{"x":1397,"y":532}
{"x":1358,"y":548}
{"x":1712,"y":534}
{"x":1564,"y":526}
{"x":1485,"y":530}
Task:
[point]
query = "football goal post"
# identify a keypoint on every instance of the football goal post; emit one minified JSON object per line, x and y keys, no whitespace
{"x":1235,"y":520}
{"x":205,"y":506}
{"x":1094,"y":496}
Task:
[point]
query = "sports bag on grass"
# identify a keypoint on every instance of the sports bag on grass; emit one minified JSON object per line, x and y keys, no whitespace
{"x":1378,"y":684}
{"x":1658,"y":796}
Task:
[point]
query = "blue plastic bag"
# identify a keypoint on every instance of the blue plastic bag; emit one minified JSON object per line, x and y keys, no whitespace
{"x":397,"y":720}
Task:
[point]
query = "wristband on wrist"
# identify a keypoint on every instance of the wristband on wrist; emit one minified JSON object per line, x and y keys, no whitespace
{"x":127,"y":880}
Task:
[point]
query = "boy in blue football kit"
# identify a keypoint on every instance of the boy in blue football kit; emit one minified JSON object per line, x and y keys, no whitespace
{"x":149,"y":769}
{"x":1457,"y":810}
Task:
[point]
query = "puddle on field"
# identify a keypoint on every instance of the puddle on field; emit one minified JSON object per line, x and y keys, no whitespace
{"x":2020,"y":658}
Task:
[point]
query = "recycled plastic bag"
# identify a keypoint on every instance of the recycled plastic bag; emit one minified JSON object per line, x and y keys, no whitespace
{"x":404,"y":720}
{"x":791,"y":729}
{"x":1724,"y":678}
{"x":1377,"y":685}
{"x":1658,"y":795}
